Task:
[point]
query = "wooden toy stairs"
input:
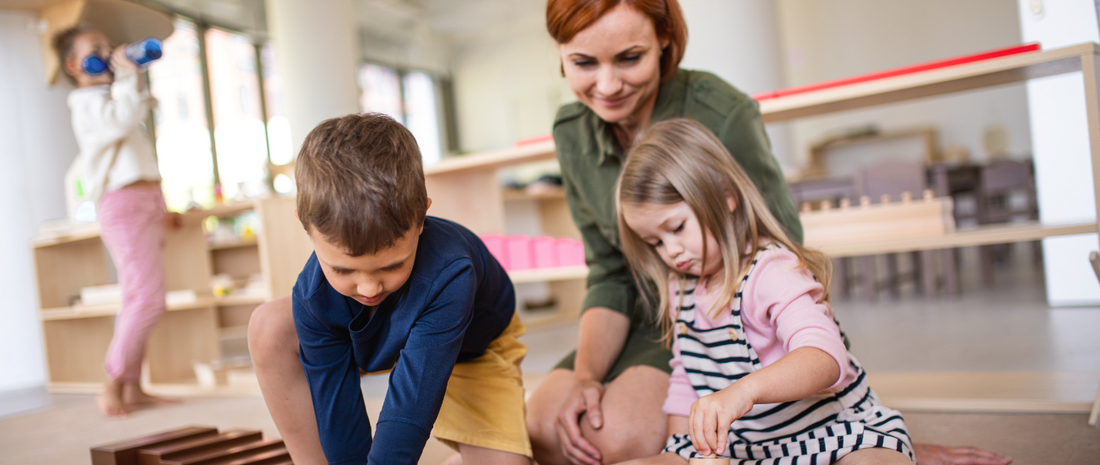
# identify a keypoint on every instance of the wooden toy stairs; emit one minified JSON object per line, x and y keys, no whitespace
{"x":194,"y":445}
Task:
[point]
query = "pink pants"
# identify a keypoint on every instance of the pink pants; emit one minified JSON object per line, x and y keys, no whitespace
{"x":131,"y":220}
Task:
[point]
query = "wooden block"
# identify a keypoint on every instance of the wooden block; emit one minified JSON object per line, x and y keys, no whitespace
{"x":126,"y":452}
{"x":198,"y":448}
{"x":710,"y":460}
{"x":250,"y":452}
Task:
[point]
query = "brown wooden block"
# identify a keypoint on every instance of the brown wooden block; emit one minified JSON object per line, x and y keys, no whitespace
{"x":709,"y":461}
{"x":230,"y":455}
{"x":201,"y":447}
{"x":274,"y":456}
{"x":126,"y":452}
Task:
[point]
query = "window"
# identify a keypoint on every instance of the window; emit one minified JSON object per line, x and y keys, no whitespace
{"x":278,"y":126}
{"x":243,"y":139}
{"x":182,"y":134}
{"x":408,"y":97}
{"x":239,"y":135}
{"x":420,"y":114}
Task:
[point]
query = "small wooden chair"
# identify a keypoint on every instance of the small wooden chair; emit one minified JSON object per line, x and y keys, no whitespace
{"x":1000,"y":180}
{"x":886,"y":181}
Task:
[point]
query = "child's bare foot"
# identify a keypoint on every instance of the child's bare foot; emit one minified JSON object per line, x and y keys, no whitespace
{"x":453,"y":460}
{"x":134,"y":396}
{"x":110,"y":401}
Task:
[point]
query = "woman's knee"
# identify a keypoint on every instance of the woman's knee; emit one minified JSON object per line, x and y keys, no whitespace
{"x":545,"y":404}
{"x":271,"y":330}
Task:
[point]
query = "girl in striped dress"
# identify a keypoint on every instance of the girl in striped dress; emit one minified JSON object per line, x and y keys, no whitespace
{"x":760,"y":370}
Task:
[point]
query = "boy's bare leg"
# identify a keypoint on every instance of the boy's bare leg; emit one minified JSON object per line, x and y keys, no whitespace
{"x":474,"y":455}
{"x":273,"y":343}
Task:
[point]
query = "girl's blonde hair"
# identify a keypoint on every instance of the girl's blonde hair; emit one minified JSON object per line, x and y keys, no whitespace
{"x":680,"y":160}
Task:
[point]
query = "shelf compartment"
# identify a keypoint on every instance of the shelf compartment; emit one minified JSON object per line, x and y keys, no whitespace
{"x":102,"y":310}
{"x":548,"y":274}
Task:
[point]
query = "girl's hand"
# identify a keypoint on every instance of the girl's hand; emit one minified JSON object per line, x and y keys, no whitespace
{"x":711,"y":417}
{"x":120,"y":61}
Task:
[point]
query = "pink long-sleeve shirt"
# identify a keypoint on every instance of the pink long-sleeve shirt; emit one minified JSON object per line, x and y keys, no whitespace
{"x":780,"y":313}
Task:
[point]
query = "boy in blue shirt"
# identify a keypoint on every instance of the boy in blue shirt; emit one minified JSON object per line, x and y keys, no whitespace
{"x":388,"y":288}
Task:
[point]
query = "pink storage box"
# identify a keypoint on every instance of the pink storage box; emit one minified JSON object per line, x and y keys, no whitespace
{"x":545,"y":252}
{"x":495,"y":244}
{"x":570,"y":252}
{"x":518,"y":248}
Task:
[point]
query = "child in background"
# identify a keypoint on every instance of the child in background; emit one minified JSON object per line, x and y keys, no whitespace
{"x":118,"y":169}
{"x":760,"y":371}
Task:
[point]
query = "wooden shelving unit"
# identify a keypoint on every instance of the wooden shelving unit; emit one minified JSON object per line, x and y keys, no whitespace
{"x":202,"y":330}
{"x":466,"y":189}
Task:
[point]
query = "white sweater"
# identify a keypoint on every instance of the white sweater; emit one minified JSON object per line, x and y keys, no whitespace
{"x":114,"y":150}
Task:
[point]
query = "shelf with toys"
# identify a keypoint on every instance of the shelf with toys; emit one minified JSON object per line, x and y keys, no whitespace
{"x":220,"y":264}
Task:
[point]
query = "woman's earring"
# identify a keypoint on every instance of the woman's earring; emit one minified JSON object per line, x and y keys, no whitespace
{"x":561,"y":66}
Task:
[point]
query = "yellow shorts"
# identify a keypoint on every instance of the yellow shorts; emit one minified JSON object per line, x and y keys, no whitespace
{"x":484,"y":403}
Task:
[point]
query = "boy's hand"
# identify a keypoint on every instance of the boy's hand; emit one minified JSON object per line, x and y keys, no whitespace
{"x":711,"y":417}
{"x":119,"y":60}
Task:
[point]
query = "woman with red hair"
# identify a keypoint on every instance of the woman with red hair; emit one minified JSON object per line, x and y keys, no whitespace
{"x":603,"y":403}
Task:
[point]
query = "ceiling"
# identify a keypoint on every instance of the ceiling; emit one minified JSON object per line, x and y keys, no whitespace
{"x":390,"y":19}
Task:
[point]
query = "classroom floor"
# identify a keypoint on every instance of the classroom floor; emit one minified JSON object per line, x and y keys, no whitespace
{"x":986,"y":343}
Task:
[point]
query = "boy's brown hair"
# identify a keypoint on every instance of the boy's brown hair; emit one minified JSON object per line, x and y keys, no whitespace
{"x":62,"y":43}
{"x":361,"y":182}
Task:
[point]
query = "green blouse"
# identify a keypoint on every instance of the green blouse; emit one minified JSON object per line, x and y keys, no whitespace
{"x":591,"y":160}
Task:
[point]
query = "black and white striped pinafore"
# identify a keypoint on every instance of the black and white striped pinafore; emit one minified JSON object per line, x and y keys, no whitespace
{"x":817,"y":430}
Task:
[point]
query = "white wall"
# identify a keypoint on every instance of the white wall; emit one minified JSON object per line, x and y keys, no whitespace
{"x":316,"y":45}
{"x":38,"y":147}
{"x":740,"y":43}
{"x":507,"y":84}
{"x":1060,"y":140}
{"x":830,"y":39}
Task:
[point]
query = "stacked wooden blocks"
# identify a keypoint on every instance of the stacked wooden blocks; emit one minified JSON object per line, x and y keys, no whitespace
{"x":194,"y":445}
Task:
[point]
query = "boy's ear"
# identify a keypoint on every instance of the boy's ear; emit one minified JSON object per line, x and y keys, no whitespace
{"x":429,"y":203}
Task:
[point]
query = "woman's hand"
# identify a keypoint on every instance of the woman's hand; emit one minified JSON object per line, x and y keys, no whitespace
{"x":583,"y":400}
{"x":711,"y":417}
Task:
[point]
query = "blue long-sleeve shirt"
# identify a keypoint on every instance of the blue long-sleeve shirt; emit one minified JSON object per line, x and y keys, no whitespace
{"x":456,"y":301}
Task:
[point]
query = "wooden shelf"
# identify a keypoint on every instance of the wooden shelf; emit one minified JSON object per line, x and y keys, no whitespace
{"x":101,"y":310}
{"x":971,"y":391}
{"x":222,"y":211}
{"x":520,"y":194}
{"x":233,"y":332}
{"x":76,"y":233}
{"x":548,"y":274}
{"x":487,"y":160}
{"x":986,"y":235}
{"x":1015,"y":68}
{"x":234,"y":245}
